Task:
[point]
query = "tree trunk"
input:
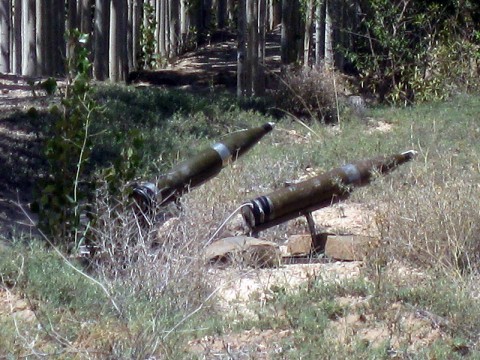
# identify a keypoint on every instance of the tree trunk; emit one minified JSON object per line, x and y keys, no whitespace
{"x":308,"y":32}
{"x":130,"y":54}
{"x":319,"y":32}
{"x":241,"y":49}
{"x":101,"y":36}
{"x":42,"y":36}
{"x":184,"y":24}
{"x":251,"y":48}
{"x":57,"y":16}
{"x":328,"y":35}
{"x":29,"y":54}
{"x":274,"y":13}
{"x":5,"y":33}
{"x":204,"y":19}
{"x":113,"y":45}
{"x":262,"y":20}
{"x":231,"y":11}
{"x":137,"y":17}
{"x":221,"y":14}
{"x":17,"y":40}
{"x":290,"y":27}
{"x":73,"y":14}
{"x":118,"y":40}
{"x":270,"y":14}
{"x":207,"y":7}
{"x":85,"y":16}
{"x":161,"y":11}
{"x":174,"y":26}
{"x":339,"y":39}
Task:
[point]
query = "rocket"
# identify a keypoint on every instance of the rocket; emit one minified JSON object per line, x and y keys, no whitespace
{"x":197,"y":170}
{"x":320,"y":191}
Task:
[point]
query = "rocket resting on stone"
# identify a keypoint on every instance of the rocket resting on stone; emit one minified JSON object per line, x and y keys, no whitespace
{"x":320,"y":191}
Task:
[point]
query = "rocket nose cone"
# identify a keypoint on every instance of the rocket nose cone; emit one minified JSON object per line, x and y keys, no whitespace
{"x":410,"y":154}
{"x":268,"y":126}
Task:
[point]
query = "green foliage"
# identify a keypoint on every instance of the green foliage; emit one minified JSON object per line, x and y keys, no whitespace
{"x":147,"y":57}
{"x":407,"y":50}
{"x":124,"y":167}
{"x":63,"y":194}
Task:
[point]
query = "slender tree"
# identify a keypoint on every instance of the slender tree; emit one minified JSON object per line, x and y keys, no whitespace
{"x":262,"y":20}
{"x":308,"y":31}
{"x":161,"y":16}
{"x":339,"y":15}
{"x":73,"y":14}
{"x":17,"y":42}
{"x":319,"y":32}
{"x":58,"y":44}
{"x":174,"y":26}
{"x":274,"y":13}
{"x":29,"y":53}
{"x":290,"y":30}
{"x":5,"y":35}
{"x":221,"y":13}
{"x":118,"y":40}
{"x":250,"y":50}
{"x":101,"y":36}
{"x":328,"y":34}
{"x":231,"y":11}
{"x":241,"y":48}
{"x":204,"y":19}
{"x":184,"y":23}
{"x":85,"y":16}
{"x":42,"y":35}
{"x":137,"y":16}
{"x":130,"y":52}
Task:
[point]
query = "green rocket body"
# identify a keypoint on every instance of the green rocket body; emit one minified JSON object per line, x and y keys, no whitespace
{"x":198,"y":169}
{"x":320,"y":191}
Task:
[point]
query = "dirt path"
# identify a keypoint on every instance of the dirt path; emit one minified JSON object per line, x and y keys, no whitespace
{"x":212,"y":65}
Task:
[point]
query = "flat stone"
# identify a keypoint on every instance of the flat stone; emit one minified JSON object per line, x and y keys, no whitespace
{"x":244,"y":250}
{"x":299,"y":244}
{"x":348,"y":247}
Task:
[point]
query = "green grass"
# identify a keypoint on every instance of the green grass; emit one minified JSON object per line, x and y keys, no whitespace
{"x":429,"y":220}
{"x":310,"y":312}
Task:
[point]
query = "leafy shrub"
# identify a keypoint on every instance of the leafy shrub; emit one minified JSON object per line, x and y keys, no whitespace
{"x":310,"y":93}
{"x":407,"y":54}
{"x":440,"y":79}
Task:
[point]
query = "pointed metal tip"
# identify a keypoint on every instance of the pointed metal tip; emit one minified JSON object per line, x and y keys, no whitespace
{"x":410,"y":153}
{"x":269,"y":126}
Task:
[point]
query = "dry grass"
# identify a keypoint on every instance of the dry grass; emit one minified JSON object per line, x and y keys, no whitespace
{"x":311,"y":93}
{"x":155,"y":274}
{"x":433,"y":220}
